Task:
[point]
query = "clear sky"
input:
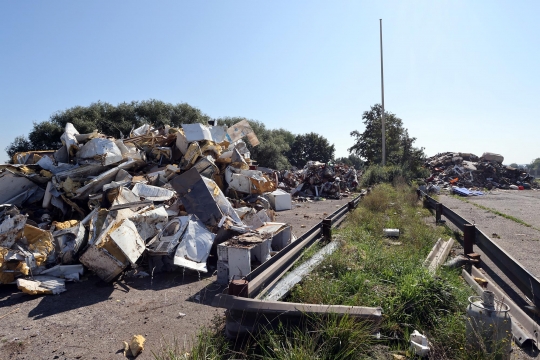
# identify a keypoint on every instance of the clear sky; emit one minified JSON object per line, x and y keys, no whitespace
{"x":463,"y":75}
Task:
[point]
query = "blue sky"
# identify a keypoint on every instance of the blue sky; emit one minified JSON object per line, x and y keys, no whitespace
{"x":463,"y":75}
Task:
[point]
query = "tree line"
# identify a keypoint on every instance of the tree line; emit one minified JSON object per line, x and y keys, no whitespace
{"x":278,"y":148}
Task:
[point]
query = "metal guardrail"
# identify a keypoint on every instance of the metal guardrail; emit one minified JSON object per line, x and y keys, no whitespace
{"x":521,"y":277}
{"x":272,"y":270}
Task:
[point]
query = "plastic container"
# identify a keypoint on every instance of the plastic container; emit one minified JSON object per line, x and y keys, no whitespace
{"x":489,"y":325}
{"x":391,"y":232}
{"x":520,"y":187}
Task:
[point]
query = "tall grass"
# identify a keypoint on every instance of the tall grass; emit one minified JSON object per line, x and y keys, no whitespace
{"x":367,"y":271}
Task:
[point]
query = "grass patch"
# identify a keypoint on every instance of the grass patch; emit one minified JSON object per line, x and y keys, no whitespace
{"x":366,"y":270}
{"x":496,"y":212}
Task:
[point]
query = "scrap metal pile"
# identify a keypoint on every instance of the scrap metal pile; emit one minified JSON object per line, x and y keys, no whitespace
{"x":464,"y":171}
{"x":156,"y":197}
{"x":317,"y":179}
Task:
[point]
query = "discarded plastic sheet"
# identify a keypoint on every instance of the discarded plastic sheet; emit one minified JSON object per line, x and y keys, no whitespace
{"x":202,"y":197}
{"x":195,"y":246}
{"x":99,"y":151}
{"x":166,"y":241}
{"x":67,"y":272}
{"x":153,"y":193}
{"x":42,"y":285}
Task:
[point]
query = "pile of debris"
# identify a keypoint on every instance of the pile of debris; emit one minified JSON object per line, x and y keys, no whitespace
{"x":318,"y":179}
{"x":156,"y":197}
{"x":466,"y":172}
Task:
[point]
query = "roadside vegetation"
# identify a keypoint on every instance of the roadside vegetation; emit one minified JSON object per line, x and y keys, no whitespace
{"x":367,"y":270}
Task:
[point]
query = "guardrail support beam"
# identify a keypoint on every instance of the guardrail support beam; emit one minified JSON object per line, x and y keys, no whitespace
{"x":327,"y":229}
{"x":469,"y":233}
{"x":438,"y":212}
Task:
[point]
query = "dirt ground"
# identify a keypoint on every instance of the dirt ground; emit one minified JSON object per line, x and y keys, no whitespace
{"x":92,"y":318}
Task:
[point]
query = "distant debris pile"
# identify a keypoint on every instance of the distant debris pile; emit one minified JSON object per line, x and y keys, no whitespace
{"x":468,"y":171}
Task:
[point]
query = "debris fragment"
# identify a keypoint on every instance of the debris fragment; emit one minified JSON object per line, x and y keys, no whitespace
{"x":419,"y":344}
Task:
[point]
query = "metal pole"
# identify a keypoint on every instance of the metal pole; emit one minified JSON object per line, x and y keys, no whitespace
{"x":382,"y":92}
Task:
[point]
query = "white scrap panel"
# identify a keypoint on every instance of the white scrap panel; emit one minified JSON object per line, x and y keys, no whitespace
{"x":239,"y":262}
{"x":128,"y":240}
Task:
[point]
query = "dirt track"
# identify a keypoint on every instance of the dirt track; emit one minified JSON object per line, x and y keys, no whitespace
{"x":91,"y":319}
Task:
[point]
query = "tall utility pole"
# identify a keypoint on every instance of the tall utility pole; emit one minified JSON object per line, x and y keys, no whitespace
{"x":382,"y":92}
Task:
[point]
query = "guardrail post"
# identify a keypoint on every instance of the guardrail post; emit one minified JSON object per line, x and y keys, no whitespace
{"x":418,"y":193}
{"x":327,"y":229}
{"x":438,"y":212}
{"x":239,"y":288}
{"x":351,"y":205}
{"x":469,"y":232}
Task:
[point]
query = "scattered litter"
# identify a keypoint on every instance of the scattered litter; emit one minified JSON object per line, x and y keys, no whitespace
{"x":135,"y":346}
{"x":419,"y":344}
{"x":391,"y":232}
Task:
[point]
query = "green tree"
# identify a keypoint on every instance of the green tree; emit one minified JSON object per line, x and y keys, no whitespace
{"x":106,"y":118}
{"x":274,"y":143}
{"x":399,"y":145}
{"x":20,"y":144}
{"x":308,"y":147}
{"x":534,"y":167}
{"x":351,"y":160}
